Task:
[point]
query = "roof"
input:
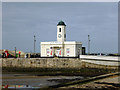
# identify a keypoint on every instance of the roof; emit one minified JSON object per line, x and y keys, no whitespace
{"x":61,"y":23}
{"x":56,"y":43}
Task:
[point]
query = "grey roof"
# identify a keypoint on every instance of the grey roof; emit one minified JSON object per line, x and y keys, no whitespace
{"x":61,"y":23}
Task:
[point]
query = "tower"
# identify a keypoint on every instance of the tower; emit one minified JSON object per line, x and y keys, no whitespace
{"x":61,"y":32}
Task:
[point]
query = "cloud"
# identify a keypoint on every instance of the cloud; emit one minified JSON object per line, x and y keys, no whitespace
{"x":21,"y":21}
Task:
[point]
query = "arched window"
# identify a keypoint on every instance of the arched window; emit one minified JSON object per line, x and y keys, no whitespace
{"x":59,"y":29}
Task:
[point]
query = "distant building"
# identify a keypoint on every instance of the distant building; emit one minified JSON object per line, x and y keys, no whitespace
{"x":61,"y":47}
{"x":10,"y":54}
{"x":83,"y":50}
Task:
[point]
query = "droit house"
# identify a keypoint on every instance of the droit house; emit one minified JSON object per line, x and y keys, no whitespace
{"x":61,"y":47}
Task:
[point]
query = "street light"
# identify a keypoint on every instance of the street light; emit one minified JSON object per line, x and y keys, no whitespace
{"x":15,"y":52}
{"x":88,"y":44}
{"x":34,"y":45}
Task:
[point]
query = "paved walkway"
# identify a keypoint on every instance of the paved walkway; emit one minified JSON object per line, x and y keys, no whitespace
{"x":111,"y":83}
{"x":107,"y":58}
{"x":102,"y":60}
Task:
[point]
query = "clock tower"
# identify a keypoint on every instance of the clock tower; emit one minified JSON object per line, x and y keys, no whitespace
{"x":61,"y":32}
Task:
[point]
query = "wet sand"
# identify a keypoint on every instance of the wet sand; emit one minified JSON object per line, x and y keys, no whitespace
{"x":36,"y":81}
{"x":42,"y":77}
{"x":109,"y":83}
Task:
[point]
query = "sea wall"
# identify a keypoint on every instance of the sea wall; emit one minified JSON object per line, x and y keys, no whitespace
{"x":42,"y":62}
{"x":50,"y":63}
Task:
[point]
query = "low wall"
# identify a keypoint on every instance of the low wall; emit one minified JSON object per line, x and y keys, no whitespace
{"x":51,"y":63}
{"x":42,"y":62}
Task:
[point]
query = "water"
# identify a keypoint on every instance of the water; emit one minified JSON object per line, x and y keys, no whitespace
{"x":31,"y":82}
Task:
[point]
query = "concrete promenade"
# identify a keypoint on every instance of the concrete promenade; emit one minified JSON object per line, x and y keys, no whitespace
{"x":101,"y":60}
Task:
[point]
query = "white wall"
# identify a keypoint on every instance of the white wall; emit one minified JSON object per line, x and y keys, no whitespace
{"x":72,"y":46}
{"x":47,"y":46}
{"x":78,"y":47}
{"x":43,"y":50}
{"x":72,"y":50}
{"x":63,"y":31}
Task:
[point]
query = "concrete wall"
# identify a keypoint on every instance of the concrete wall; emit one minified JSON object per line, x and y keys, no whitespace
{"x":50,"y":63}
{"x":42,"y":63}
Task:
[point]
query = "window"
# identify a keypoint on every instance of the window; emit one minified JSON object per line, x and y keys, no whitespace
{"x":67,"y":51}
{"x":47,"y":51}
{"x":65,"y":35}
{"x":59,"y":29}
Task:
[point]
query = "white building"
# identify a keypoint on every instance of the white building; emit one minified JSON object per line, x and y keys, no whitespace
{"x":61,"y":47}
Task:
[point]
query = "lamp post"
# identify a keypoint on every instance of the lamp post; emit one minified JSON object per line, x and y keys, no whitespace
{"x":15,"y":52}
{"x":34,"y":45}
{"x":88,"y":44}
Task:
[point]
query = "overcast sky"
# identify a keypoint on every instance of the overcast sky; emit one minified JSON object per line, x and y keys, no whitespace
{"x":21,"y":21}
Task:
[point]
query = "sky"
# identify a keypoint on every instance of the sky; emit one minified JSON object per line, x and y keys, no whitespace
{"x":21,"y":21}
